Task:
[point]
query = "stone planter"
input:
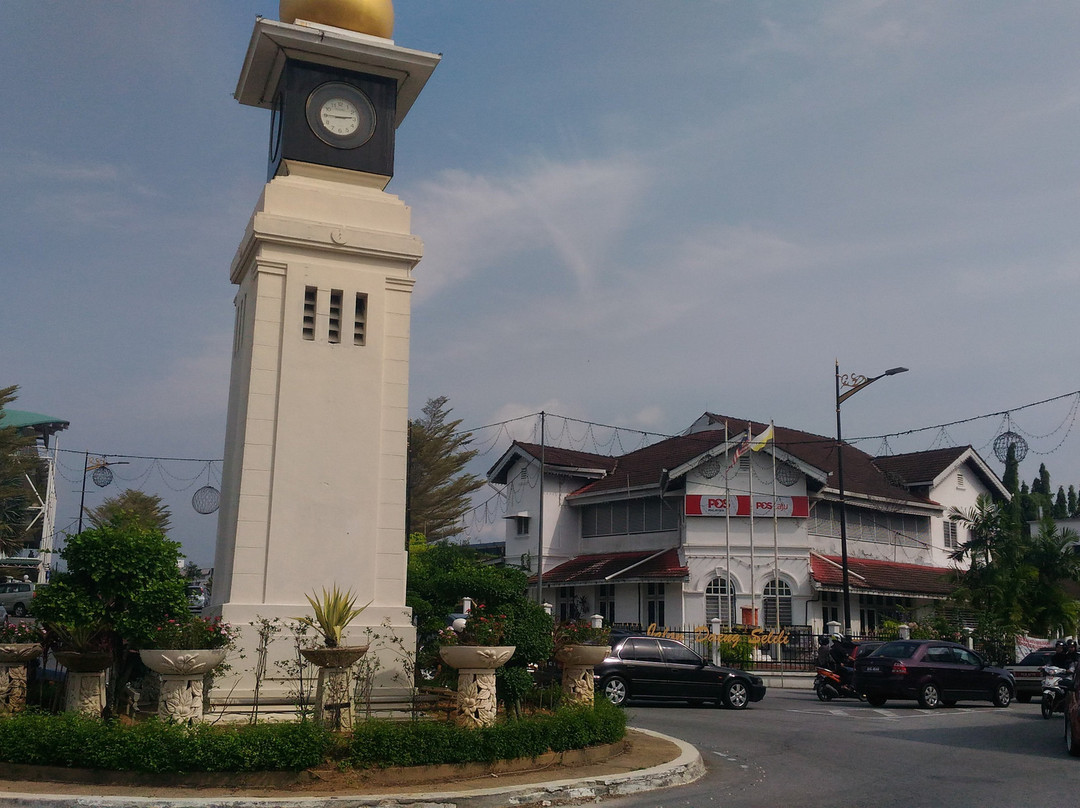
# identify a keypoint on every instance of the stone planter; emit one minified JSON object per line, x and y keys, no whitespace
{"x":84,"y":691}
{"x":334,"y":691}
{"x":13,"y":659}
{"x":577,"y":662}
{"x":182,"y":673}
{"x":476,"y":664}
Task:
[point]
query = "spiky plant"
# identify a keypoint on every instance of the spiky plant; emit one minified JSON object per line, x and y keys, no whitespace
{"x":334,"y":610}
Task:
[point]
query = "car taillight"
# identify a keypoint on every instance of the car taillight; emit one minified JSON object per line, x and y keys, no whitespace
{"x":899,"y":669}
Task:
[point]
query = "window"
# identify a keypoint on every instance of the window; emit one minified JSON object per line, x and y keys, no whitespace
{"x":960,"y":480}
{"x":334,"y":333}
{"x":360,"y":319}
{"x":776,"y":598}
{"x":567,"y":605}
{"x":522,"y":525}
{"x":654,"y":603}
{"x":678,"y":654}
{"x":830,"y":608}
{"x":644,"y":515}
{"x":605,"y":602}
{"x":641,"y":649}
{"x":311,"y":296}
{"x":951,"y":541}
{"x":719,"y":601}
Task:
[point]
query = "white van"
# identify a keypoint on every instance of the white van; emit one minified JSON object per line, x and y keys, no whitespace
{"x":15,"y":596}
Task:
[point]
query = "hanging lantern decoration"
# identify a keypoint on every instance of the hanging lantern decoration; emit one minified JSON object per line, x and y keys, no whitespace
{"x":1006,"y":439}
{"x":102,"y":476}
{"x":786,"y":474}
{"x":206,"y":500}
{"x":710,"y":468}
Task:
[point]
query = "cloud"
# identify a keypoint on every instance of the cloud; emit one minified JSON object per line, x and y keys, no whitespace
{"x":473,"y":225}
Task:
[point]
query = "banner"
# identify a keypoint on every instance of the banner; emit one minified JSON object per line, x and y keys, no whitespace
{"x":717,"y":505}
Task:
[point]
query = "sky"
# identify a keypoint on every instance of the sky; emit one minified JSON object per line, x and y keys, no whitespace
{"x":633,"y":212}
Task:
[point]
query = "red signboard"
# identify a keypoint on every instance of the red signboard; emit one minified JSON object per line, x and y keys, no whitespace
{"x":764,"y":507}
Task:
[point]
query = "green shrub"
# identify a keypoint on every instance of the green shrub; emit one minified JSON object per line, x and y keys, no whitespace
{"x":386,"y":743}
{"x":73,"y":740}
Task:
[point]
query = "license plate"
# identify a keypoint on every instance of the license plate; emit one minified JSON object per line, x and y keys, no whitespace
{"x":871,"y":669}
{"x":1027,"y":674}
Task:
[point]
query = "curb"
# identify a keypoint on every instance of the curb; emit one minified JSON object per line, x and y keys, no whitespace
{"x":686,"y":768}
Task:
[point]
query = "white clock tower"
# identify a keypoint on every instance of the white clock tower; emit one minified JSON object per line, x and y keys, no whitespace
{"x":313,"y":493}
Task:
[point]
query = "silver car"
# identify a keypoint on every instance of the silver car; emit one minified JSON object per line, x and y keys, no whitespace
{"x":15,"y":596}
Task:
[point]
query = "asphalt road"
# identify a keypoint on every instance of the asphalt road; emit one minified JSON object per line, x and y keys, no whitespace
{"x":792,"y":750}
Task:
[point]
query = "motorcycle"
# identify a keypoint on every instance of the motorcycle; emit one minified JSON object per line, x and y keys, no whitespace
{"x":828,"y":686}
{"x":1053,"y":689}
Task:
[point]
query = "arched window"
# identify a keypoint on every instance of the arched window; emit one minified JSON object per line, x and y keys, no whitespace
{"x":776,"y":598}
{"x":720,"y":601}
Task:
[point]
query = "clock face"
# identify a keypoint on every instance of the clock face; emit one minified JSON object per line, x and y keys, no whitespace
{"x":340,"y":115}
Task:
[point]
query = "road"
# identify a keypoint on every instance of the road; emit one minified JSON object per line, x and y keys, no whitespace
{"x":795,"y":751}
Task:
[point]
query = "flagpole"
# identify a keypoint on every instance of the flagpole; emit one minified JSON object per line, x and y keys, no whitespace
{"x":775,"y":532}
{"x":728,"y":594}
{"x":750,"y":489}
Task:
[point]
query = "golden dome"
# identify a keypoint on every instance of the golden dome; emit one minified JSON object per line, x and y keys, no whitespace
{"x":375,"y":17}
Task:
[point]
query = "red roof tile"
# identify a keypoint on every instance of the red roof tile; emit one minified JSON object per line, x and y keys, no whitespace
{"x":865,"y":574}
{"x":609,"y":567}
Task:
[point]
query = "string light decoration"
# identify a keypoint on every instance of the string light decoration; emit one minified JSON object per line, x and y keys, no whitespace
{"x":1006,"y":439}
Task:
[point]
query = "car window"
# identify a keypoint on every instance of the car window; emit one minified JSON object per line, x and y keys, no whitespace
{"x":900,"y":649}
{"x":641,"y":649}
{"x":939,"y":654}
{"x":1036,"y":658}
{"x":966,"y":657}
{"x":678,"y":654}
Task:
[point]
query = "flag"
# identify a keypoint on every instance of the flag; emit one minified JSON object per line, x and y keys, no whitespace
{"x":759,"y":442}
{"x":741,"y":448}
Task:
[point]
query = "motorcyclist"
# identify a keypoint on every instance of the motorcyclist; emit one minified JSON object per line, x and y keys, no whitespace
{"x":1060,"y":657}
{"x":824,"y":655}
{"x":1071,"y":655}
{"x":842,"y":652}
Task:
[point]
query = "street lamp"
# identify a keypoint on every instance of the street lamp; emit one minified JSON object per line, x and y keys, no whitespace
{"x":856,"y":382}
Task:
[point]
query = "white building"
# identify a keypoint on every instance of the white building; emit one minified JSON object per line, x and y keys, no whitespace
{"x":648,"y":537}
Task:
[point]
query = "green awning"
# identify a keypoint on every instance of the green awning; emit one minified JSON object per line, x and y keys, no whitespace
{"x":21,"y":419}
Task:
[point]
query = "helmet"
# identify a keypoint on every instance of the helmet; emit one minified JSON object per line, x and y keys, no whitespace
{"x":1059,"y":645}
{"x":835,"y":637}
{"x":1070,"y":643}
{"x":823,"y":639}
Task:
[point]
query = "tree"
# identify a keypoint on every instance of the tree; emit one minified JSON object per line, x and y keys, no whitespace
{"x":17,"y":460}
{"x":1014,"y":582}
{"x":438,"y":487}
{"x":1072,"y":500}
{"x":122,"y":581}
{"x":132,"y":508}
{"x":1061,"y":505}
{"x":1011,"y":478}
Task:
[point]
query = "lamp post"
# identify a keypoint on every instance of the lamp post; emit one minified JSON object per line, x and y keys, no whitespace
{"x":856,"y":382}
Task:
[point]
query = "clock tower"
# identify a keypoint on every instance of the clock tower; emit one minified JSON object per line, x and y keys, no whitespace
{"x":313,"y":488}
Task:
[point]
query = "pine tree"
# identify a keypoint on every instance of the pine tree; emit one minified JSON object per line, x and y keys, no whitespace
{"x":1061,"y":505}
{"x":438,"y":487}
{"x":1072,"y":500}
{"x":1011,"y":478}
{"x":132,"y":508}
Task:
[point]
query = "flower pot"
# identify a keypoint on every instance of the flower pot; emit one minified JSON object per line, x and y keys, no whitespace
{"x":340,"y":657}
{"x":476,"y":657}
{"x":84,"y":661}
{"x":582,"y":655}
{"x":175,"y":662}
{"x":19,"y":653}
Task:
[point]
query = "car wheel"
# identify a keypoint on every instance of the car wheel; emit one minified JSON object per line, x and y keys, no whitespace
{"x":876,"y":701}
{"x":615,"y":690}
{"x":1072,"y":742}
{"x":1047,"y":706}
{"x":736,"y":696}
{"x":1024,"y":699}
{"x":1003,"y":695}
{"x":929,"y":696}
{"x":19,"y":610}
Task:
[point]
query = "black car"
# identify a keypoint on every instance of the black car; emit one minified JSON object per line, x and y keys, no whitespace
{"x":659,"y":668}
{"x":933,"y":672}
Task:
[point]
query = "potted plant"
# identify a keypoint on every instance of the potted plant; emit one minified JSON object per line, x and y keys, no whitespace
{"x":476,"y":650}
{"x":579,"y":645}
{"x":20,"y":642}
{"x":334,"y":611}
{"x":184,"y":651}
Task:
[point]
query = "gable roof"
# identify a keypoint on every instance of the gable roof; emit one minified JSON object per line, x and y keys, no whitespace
{"x":643,"y":565}
{"x":567,"y":461}
{"x":870,"y":576}
{"x":931,"y":467}
{"x":861,"y":477}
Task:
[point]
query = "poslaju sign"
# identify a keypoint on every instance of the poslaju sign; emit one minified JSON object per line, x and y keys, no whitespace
{"x":764,"y":507}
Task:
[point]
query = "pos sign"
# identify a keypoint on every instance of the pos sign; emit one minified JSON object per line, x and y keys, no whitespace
{"x":717,"y":505}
